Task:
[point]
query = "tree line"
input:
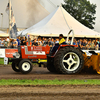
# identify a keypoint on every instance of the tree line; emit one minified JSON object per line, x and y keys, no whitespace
{"x":81,"y":10}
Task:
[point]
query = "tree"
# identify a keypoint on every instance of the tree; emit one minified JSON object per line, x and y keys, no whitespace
{"x":81,"y":10}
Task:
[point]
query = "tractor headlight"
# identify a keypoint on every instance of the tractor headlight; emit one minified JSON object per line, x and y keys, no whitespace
{"x":16,"y":55}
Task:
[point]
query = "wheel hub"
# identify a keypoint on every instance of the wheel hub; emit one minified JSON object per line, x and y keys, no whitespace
{"x":71,"y":61}
{"x":26,"y":66}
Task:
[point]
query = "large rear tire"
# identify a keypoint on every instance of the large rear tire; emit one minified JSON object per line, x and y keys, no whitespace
{"x":69,"y":60}
{"x":15,"y":67}
{"x":50,"y":65}
{"x":25,"y":66}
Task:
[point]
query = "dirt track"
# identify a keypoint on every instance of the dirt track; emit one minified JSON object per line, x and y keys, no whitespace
{"x":41,"y":73}
{"x":50,"y":93}
{"x":69,"y":92}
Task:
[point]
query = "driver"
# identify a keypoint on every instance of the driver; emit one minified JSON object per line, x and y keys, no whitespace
{"x":61,"y":41}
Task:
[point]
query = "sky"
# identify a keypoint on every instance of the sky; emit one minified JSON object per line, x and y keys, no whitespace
{"x":29,"y":12}
{"x":97,"y":25}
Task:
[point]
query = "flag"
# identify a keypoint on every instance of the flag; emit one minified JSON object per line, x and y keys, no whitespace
{"x":7,"y":9}
{"x":12,"y":23}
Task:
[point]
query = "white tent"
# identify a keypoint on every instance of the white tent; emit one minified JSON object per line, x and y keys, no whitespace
{"x":3,"y":34}
{"x":60,"y":21}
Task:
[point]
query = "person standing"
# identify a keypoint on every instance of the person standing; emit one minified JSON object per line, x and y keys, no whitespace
{"x":49,"y":42}
{"x":96,"y":46}
{"x":23,"y":41}
{"x":18,"y":40}
{"x":15,"y":43}
{"x":5,"y":43}
{"x":0,"y":42}
{"x":10,"y":45}
{"x":35,"y":43}
{"x":52,"y":42}
{"x":92,"y":46}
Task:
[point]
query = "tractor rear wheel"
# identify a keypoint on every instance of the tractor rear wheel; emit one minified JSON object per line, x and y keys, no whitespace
{"x":69,"y":60}
{"x":50,"y":64}
{"x":25,"y":66}
{"x":15,"y":67}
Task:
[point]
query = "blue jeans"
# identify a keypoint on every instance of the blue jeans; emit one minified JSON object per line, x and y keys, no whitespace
{"x":55,"y":48}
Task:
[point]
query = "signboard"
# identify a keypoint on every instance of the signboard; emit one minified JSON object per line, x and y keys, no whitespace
{"x":5,"y":60}
{"x":2,"y":53}
{"x":39,"y":53}
{"x":9,"y":52}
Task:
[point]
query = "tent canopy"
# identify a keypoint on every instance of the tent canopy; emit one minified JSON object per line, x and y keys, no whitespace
{"x":3,"y":34}
{"x":59,"y":22}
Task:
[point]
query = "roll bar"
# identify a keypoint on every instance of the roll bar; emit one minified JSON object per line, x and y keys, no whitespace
{"x":72,"y":36}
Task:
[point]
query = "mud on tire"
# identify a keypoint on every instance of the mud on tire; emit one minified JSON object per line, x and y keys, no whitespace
{"x":68,"y":60}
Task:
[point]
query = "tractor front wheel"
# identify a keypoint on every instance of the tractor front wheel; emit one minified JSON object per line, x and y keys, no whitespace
{"x":25,"y":66}
{"x":15,"y":67}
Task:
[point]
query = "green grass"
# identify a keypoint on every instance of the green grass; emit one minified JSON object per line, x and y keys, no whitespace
{"x":49,"y":82}
{"x":1,"y":61}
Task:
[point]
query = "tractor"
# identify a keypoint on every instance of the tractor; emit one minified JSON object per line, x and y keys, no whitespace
{"x":68,"y":59}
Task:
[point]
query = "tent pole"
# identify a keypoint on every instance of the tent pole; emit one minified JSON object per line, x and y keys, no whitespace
{"x":9,"y":17}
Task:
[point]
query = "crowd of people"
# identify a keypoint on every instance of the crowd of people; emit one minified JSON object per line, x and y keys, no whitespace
{"x":88,"y":44}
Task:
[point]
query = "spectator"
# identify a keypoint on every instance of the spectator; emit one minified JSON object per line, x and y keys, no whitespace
{"x":23,"y":41}
{"x":69,"y":41}
{"x":2,"y":42}
{"x":79,"y":43}
{"x":29,"y":42}
{"x":88,"y":46}
{"x":97,"y":41}
{"x":8,"y":39}
{"x":5,"y":43}
{"x":10,"y":45}
{"x":39,"y":41}
{"x":15,"y":43}
{"x":75,"y":42}
{"x":45,"y":42}
{"x":83,"y":44}
{"x":96,"y":46}
{"x":18,"y":40}
{"x":99,"y":44}
{"x":35,"y":43}
{"x":56,"y":41}
{"x":52,"y":42}
{"x":49,"y":42}
{"x":92,"y":45}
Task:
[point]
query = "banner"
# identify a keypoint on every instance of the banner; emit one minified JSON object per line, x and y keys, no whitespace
{"x":12,"y":23}
{"x":2,"y":53}
{"x":9,"y":52}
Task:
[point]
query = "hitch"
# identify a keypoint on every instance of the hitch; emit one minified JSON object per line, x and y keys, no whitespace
{"x":40,"y":62}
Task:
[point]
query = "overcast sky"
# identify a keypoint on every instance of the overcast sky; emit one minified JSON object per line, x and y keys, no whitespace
{"x":97,"y":25}
{"x":29,"y":12}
